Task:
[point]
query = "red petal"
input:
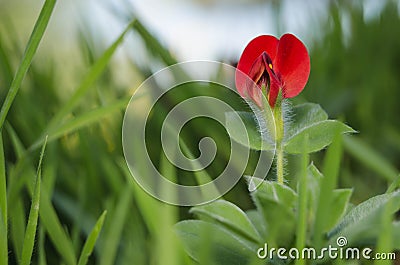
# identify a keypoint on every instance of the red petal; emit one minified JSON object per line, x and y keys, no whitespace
{"x":258,"y":67}
{"x":293,"y":64}
{"x":260,"y":44}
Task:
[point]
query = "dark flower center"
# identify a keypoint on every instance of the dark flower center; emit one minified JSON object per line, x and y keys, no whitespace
{"x":259,"y":72}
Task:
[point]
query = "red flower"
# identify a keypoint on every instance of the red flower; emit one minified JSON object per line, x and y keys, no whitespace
{"x":273,"y":65}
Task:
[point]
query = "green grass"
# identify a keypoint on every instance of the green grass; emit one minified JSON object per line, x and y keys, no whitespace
{"x":3,"y":207}
{"x":91,"y":240}
{"x":329,"y":182}
{"x":87,"y":83}
{"x":31,"y":227}
{"x":301,"y":229}
{"x":31,"y":47}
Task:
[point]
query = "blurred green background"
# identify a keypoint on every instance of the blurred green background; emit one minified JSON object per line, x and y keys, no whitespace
{"x":355,"y":65}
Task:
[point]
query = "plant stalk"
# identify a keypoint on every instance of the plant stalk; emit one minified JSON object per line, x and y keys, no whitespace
{"x":279,"y":124}
{"x":277,"y":113}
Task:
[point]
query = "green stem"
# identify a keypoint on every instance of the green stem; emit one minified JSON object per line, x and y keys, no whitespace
{"x":279,"y":131}
{"x":278,"y":116}
{"x":279,"y":165}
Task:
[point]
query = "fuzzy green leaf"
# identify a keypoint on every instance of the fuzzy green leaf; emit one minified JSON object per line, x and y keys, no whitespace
{"x":229,"y":215}
{"x":275,"y":191}
{"x":320,"y":135}
{"x":208,"y":243}
{"x":253,"y":139}
{"x":257,"y":221}
{"x":305,"y":115}
{"x":276,"y":202}
{"x":356,"y":225}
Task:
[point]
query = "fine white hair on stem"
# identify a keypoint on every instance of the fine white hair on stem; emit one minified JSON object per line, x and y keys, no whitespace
{"x":285,"y":171}
{"x":263,"y":117}
{"x":288,"y":115}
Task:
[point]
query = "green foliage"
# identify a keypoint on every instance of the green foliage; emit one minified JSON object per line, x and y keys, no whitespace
{"x":208,"y":243}
{"x":354,"y":79}
{"x":356,"y":225}
{"x":321,"y":135}
{"x":254,"y":138}
{"x":3,"y":208}
{"x":45,"y":225}
{"x":31,"y":47}
{"x":31,"y":227}
{"x":84,"y":174}
{"x":308,"y":119}
{"x":372,"y":159}
{"x":229,"y":215}
{"x":313,"y":216}
{"x":275,"y":220}
{"x":91,"y":240}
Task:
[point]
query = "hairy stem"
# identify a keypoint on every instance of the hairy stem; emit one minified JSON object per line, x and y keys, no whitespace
{"x":278,"y":116}
{"x":279,"y":165}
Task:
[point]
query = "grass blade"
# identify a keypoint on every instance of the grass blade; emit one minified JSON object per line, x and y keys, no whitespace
{"x":370,"y":158}
{"x":41,"y":248}
{"x":385,"y":239}
{"x":3,"y":208}
{"x":202,"y":177}
{"x":3,"y":242}
{"x":17,"y":226}
{"x":91,"y":240}
{"x":394,"y":185}
{"x":31,"y":227}
{"x":5,"y":65}
{"x":51,"y":223}
{"x":19,"y":149}
{"x":153,"y":44}
{"x":170,"y":216}
{"x":113,"y":236}
{"x":328,"y":183}
{"x":302,"y":202}
{"x":30,"y":50}
{"x":82,"y":121}
{"x":147,"y":205}
{"x":95,"y":71}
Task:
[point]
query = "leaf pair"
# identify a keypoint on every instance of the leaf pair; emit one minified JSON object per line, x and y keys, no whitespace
{"x":308,"y":119}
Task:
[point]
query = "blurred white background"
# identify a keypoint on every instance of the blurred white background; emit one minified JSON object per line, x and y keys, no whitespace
{"x":192,"y":30}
